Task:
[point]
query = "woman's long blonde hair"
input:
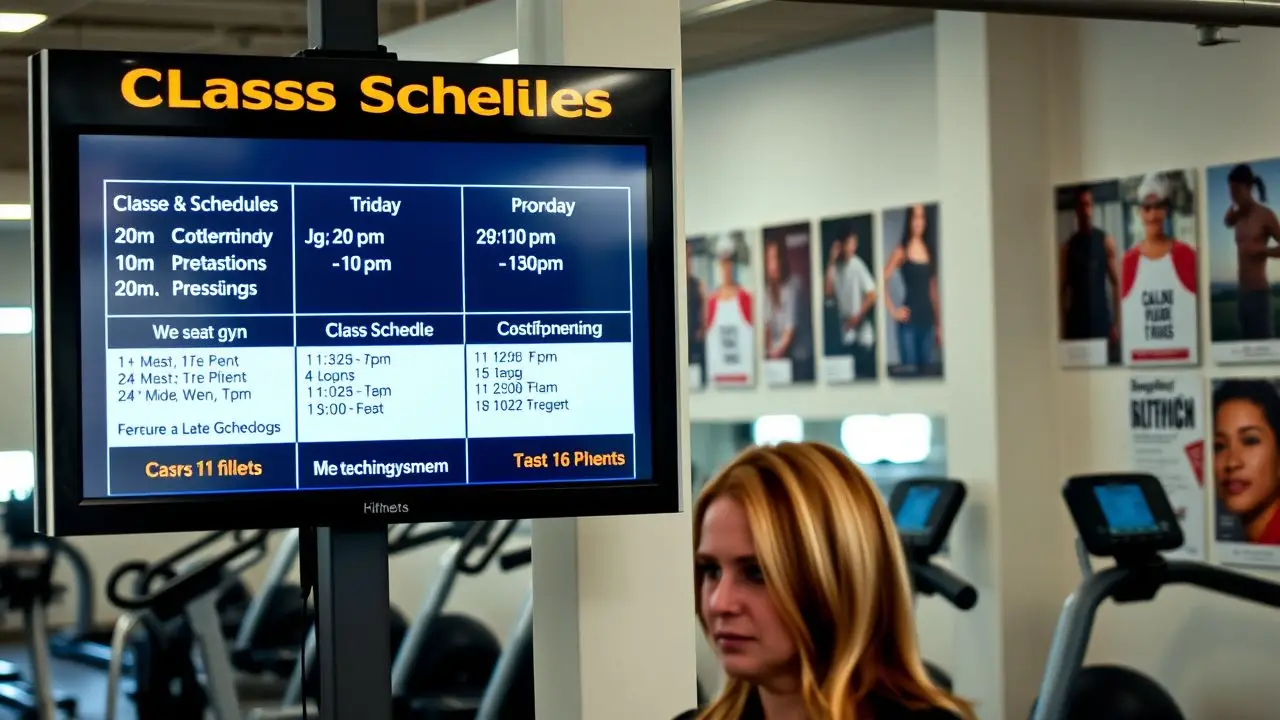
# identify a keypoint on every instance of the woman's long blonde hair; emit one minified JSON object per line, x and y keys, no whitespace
{"x":835,"y":570}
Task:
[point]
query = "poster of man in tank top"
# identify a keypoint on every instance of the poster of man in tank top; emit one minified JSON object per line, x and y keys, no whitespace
{"x":1244,"y":273}
{"x":1089,"y":230}
{"x":912,"y":300}
{"x":849,"y":298}
{"x":1159,"y":270}
{"x":721,"y":311}
{"x":786,"y":304}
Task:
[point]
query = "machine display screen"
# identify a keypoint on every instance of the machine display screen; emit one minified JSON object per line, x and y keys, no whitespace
{"x":1125,"y":508}
{"x":917,"y":507}
{"x":300,"y":315}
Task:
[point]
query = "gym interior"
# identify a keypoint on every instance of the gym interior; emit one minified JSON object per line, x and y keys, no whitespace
{"x":806,"y":119}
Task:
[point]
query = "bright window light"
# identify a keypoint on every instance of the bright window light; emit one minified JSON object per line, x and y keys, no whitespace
{"x":509,"y":57}
{"x":903,"y":439}
{"x":15,"y":321}
{"x":774,"y":429}
{"x":860,"y":436}
{"x":907,"y":438}
{"x":15,"y":211}
{"x":17,"y":473}
{"x":13,"y":22}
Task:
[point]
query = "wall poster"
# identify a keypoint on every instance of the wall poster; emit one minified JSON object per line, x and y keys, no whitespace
{"x":1167,"y":434}
{"x":1242,"y":278}
{"x":913,"y":305}
{"x":787,"y":304}
{"x":1089,"y":222}
{"x":721,"y":311}
{"x":848,"y":299}
{"x":1246,"y":471}
{"x":1159,"y":272}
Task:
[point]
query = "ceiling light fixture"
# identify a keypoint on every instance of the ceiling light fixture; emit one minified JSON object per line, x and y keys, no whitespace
{"x":15,"y":211}
{"x":15,"y":22}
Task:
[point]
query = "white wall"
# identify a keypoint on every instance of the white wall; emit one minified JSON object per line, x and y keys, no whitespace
{"x":14,"y":187}
{"x":854,"y":127}
{"x":16,"y":421}
{"x":837,"y":130}
{"x":477,"y":32}
{"x":1131,"y":98}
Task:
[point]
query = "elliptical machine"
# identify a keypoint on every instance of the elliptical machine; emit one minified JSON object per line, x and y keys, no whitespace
{"x":1128,"y":517}
{"x":509,"y":694}
{"x":923,"y":510}
{"x":176,"y":600}
{"x":441,"y":660}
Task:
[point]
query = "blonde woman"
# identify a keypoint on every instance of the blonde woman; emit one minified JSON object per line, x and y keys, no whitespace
{"x":803,"y":592}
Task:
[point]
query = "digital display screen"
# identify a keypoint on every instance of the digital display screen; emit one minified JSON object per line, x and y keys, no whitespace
{"x":917,"y":507}
{"x":299,"y":315}
{"x":1125,"y":508}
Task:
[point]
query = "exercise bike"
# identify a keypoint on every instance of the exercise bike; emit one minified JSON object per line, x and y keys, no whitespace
{"x":1127,"y":517}
{"x":924,"y":510}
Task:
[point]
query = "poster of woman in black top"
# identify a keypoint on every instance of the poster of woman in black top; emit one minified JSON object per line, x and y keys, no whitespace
{"x":1090,"y":225}
{"x":913,"y":343}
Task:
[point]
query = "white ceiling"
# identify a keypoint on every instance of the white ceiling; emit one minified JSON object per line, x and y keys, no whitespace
{"x":750,"y":29}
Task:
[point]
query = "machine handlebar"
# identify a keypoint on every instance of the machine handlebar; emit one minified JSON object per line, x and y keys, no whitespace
{"x":933,"y":580}
{"x":488,"y":544}
{"x":516,"y":559}
{"x":409,"y":538}
{"x":179,"y":587}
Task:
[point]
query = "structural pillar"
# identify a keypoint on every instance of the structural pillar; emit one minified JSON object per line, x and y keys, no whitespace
{"x":613,"y":597}
{"x":997,"y":260}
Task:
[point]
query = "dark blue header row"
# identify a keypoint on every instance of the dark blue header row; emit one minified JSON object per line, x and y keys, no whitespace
{"x":231,"y":248}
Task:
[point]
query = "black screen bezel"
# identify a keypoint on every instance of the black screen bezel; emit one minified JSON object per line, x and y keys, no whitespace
{"x":85,"y":99}
{"x":1086,"y":513}
{"x":942,"y":516}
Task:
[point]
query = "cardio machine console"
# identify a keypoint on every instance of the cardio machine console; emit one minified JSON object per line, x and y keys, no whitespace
{"x":923,"y":510}
{"x":1122,"y":514}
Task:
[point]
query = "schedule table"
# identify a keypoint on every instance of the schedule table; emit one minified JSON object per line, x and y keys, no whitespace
{"x":297,"y":336}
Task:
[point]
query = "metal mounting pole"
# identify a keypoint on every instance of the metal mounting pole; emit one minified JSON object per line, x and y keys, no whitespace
{"x":343,"y":25}
{"x":352,"y":630}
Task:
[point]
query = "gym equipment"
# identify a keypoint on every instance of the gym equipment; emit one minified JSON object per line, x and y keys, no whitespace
{"x":1128,"y":517}
{"x":275,"y":620}
{"x":509,"y":694}
{"x":464,"y":649}
{"x":441,"y":661}
{"x":176,"y":600}
{"x":83,"y":643}
{"x":26,"y":586}
{"x":924,"y":510}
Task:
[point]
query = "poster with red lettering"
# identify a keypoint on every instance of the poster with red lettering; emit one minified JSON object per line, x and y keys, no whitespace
{"x":1166,"y":427}
{"x":722,"y":311}
{"x":1159,"y":309}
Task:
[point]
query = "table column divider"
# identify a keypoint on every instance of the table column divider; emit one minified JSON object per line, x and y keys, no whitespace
{"x":466,"y":377}
{"x":293,"y":249}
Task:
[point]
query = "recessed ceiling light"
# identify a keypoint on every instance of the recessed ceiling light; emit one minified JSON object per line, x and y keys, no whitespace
{"x":11,"y":22}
